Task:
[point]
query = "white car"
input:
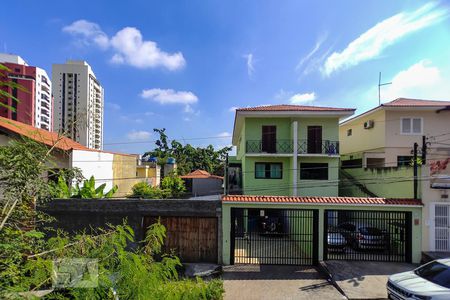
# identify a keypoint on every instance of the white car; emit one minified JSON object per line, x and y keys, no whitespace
{"x":428,"y":282}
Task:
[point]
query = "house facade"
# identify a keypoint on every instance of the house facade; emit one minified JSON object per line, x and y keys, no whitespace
{"x":377,"y":155}
{"x":288,"y":150}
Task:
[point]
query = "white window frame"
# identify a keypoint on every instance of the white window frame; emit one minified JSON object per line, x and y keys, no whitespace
{"x":411,"y":123}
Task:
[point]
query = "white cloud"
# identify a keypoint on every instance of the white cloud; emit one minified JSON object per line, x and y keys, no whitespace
{"x":303,"y":98}
{"x":422,"y":80}
{"x":128,"y":46}
{"x":313,"y":51}
{"x":372,"y":43}
{"x":88,"y":33}
{"x":133,"y":50}
{"x":169,"y":96}
{"x":224,"y":134}
{"x":250,"y":62}
{"x":138,"y":135}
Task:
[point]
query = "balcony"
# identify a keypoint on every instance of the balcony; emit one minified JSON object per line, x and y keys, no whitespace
{"x":324,"y":147}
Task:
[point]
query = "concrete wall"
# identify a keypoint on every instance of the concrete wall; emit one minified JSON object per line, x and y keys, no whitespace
{"x":384,"y":182}
{"x":124,"y":173}
{"x":75,"y":215}
{"x":328,"y":187}
{"x":416,"y":227}
{"x":207,"y":186}
{"x":95,"y":163}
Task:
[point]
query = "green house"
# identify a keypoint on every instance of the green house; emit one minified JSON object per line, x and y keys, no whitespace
{"x":288,"y":150}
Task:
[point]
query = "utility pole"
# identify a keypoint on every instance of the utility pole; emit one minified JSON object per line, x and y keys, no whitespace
{"x":379,"y":88}
{"x":225,"y":172}
{"x":415,"y":169}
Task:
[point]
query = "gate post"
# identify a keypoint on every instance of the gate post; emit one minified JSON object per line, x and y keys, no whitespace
{"x":409,"y":227}
{"x":315,"y":237}
{"x":232,"y":234}
{"x":325,"y":234}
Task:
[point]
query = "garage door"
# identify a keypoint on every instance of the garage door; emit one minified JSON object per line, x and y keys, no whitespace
{"x":193,"y":239}
{"x":274,"y":236}
{"x":367,"y":235}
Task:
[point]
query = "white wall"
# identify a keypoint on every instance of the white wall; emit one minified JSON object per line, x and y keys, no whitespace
{"x":94,"y":163}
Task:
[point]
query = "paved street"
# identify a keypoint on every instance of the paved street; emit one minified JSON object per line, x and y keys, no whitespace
{"x":364,"y":279}
{"x":276,"y":282}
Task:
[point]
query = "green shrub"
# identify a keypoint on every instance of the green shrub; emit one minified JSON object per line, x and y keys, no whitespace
{"x":144,"y":190}
{"x":174,"y":184}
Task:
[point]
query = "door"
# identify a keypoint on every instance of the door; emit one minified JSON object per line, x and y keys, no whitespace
{"x":269,"y":139}
{"x":314,"y":139}
{"x":442,"y":227}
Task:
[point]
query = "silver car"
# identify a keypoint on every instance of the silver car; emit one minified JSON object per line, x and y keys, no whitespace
{"x":364,"y":236}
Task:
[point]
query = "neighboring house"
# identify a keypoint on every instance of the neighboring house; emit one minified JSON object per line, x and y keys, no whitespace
{"x":149,"y":172}
{"x":106,"y":167}
{"x":201,"y":183}
{"x":376,"y":154}
{"x":384,"y":136}
{"x":289,"y":149}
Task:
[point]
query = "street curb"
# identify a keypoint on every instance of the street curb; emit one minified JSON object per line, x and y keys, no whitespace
{"x":322,"y":267}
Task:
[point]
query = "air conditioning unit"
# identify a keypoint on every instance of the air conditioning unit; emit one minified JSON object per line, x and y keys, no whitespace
{"x":369,"y":124}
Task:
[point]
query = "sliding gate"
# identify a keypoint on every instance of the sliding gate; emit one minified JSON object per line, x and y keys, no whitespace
{"x":367,"y":235}
{"x":274,"y":236}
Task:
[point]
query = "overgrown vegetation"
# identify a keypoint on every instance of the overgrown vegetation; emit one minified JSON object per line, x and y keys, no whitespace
{"x":172,"y":186}
{"x":87,"y":191}
{"x":188,"y":158}
{"x":27,"y":254}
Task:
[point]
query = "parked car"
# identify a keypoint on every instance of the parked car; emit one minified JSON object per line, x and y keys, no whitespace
{"x":428,"y":282}
{"x":335,"y":240}
{"x":364,"y":236}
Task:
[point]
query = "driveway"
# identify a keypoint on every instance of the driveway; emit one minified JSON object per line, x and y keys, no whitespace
{"x":364,"y":279}
{"x":276,"y":282}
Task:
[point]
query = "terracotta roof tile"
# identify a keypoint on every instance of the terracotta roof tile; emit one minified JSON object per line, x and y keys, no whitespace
{"x":200,"y":174}
{"x":286,"y":107}
{"x":405,"y":102}
{"x":40,"y":135}
{"x":321,"y":200}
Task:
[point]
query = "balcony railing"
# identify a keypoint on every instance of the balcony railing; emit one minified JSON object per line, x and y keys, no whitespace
{"x":287,"y":147}
{"x":318,"y":147}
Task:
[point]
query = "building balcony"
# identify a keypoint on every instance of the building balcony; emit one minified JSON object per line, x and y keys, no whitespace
{"x":323,"y":147}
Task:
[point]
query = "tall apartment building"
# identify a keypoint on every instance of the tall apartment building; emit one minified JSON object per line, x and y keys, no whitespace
{"x":78,"y":98}
{"x":35,"y":103}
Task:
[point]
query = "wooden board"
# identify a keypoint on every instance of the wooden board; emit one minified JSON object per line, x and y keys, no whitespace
{"x":193,"y":239}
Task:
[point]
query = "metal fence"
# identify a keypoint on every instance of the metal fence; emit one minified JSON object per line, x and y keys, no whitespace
{"x":367,"y":235}
{"x":274,"y":236}
{"x":287,"y":147}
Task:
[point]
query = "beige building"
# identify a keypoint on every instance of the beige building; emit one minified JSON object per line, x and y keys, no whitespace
{"x":376,"y":151}
{"x":79,"y":104}
{"x":384,"y":136}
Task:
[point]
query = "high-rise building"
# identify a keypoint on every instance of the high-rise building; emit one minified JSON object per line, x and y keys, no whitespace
{"x":78,"y":98}
{"x":35,"y":104}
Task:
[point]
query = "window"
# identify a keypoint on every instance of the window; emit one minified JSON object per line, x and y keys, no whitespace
{"x":411,"y":126}
{"x":435,"y":272}
{"x":314,"y":171}
{"x":268,"y":170}
{"x":352,"y":163}
{"x":404,"y":161}
{"x":349,"y":132}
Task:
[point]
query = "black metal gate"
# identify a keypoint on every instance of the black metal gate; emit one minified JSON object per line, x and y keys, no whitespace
{"x":367,"y":235}
{"x":274,"y":236}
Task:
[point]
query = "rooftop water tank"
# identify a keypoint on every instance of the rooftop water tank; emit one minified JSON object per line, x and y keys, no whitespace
{"x":171,"y":161}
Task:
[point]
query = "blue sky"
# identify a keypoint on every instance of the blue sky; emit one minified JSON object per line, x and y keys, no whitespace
{"x":184,"y":65}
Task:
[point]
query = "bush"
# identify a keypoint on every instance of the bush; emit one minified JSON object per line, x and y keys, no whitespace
{"x":174,"y":184}
{"x":144,"y":190}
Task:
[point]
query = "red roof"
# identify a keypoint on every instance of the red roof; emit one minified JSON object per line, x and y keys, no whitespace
{"x":287,"y":107}
{"x":40,"y":135}
{"x":200,"y":174}
{"x":404,"y":102}
{"x":321,"y":200}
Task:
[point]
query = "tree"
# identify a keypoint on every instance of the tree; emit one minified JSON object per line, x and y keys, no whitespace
{"x":174,"y":184}
{"x":188,"y":158}
{"x":86,"y":191}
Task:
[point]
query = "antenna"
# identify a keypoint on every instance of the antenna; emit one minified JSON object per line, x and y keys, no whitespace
{"x":379,"y":88}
